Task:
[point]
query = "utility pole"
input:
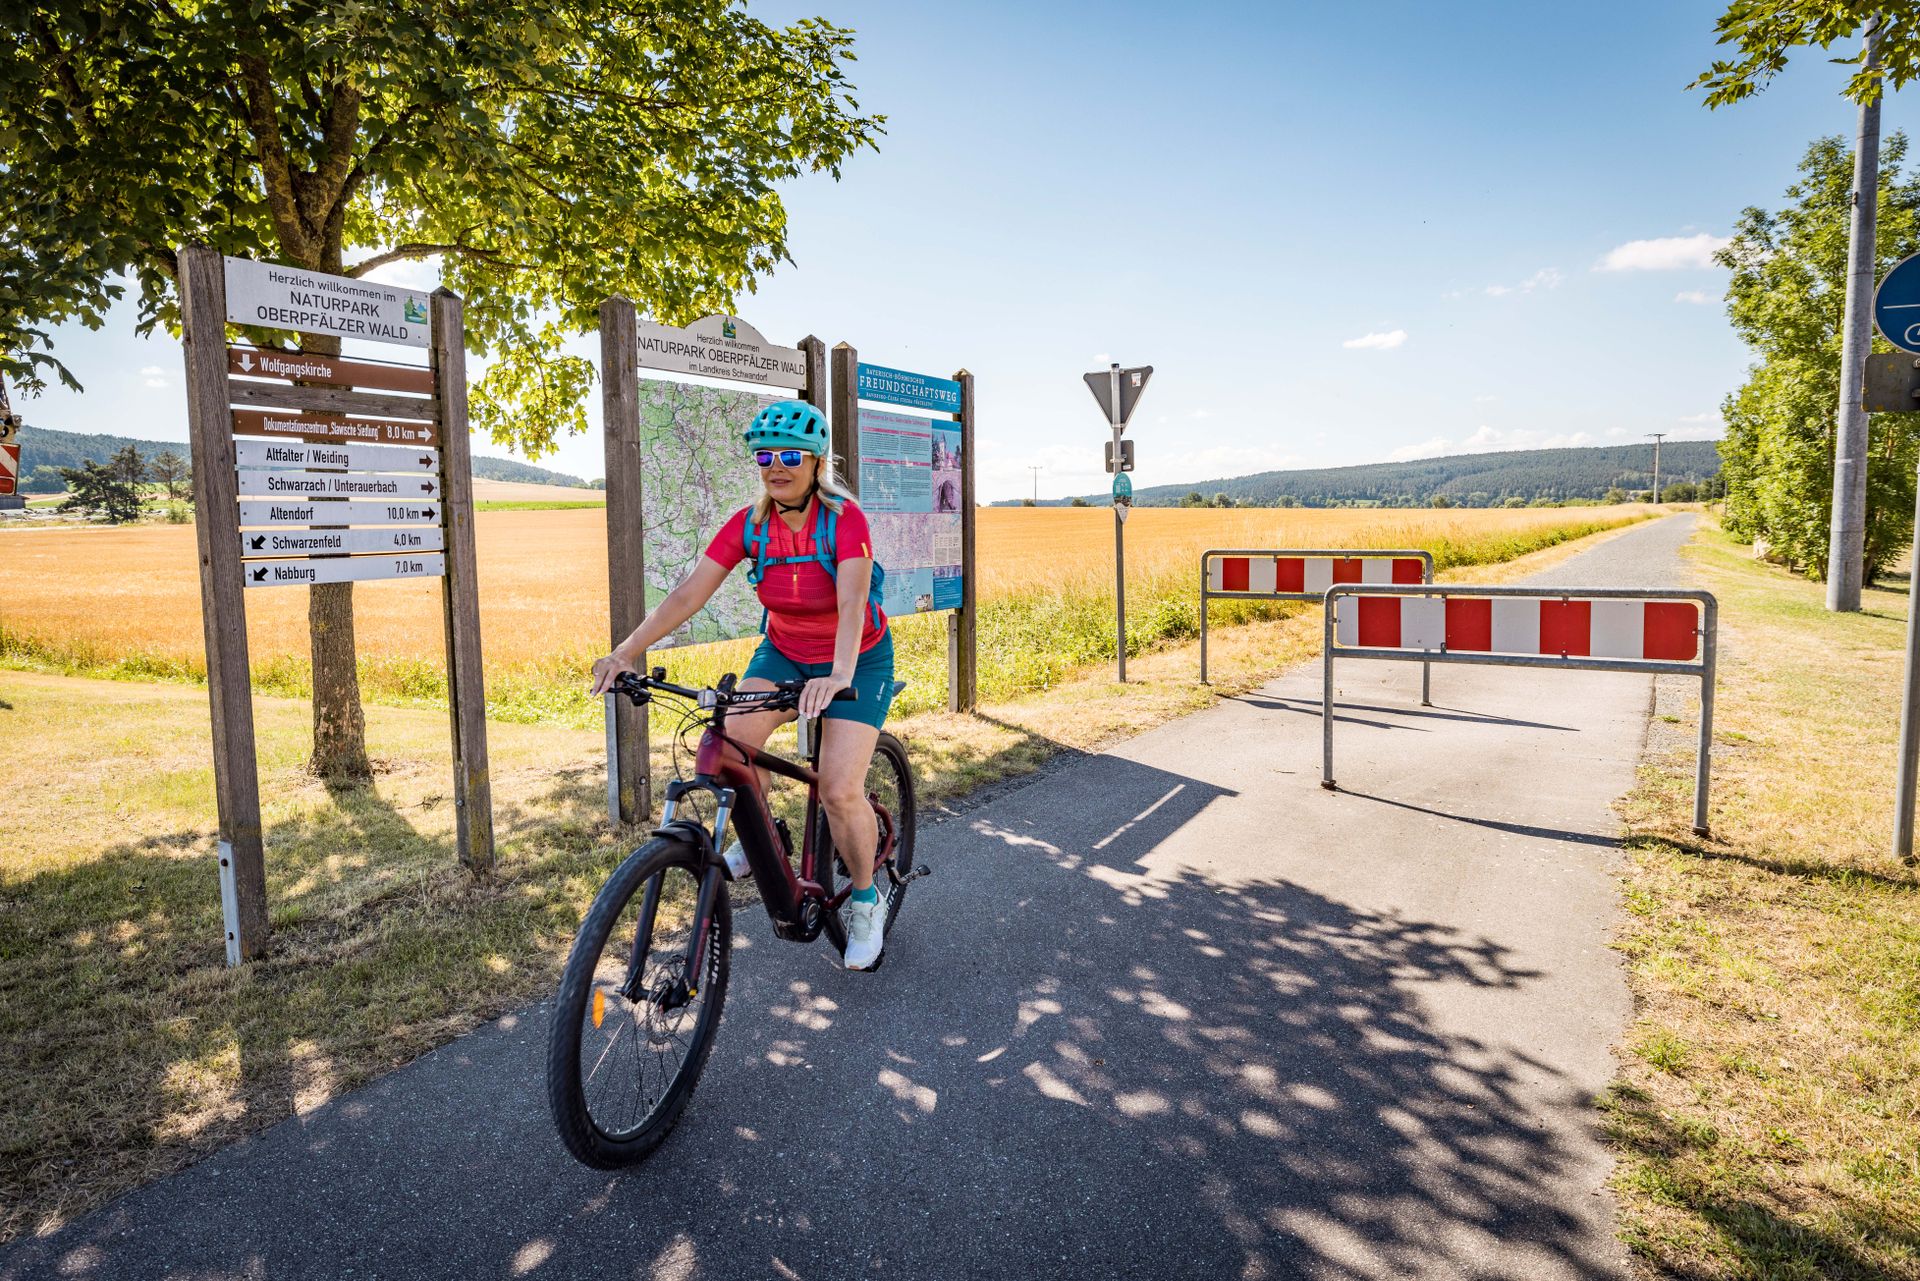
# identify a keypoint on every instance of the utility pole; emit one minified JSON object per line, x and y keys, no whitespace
{"x":1658,"y":436}
{"x":1847,"y":543}
{"x":1036,"y":484}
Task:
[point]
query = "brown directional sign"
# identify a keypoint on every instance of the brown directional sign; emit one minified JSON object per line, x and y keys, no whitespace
{"x":306,"y":367}
{"x":327,"y":429}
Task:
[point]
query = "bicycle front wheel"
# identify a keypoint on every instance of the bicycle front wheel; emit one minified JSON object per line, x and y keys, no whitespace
{"x":631,"y":1028}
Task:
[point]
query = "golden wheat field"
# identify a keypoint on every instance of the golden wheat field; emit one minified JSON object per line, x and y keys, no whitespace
{"x":113,"y":593}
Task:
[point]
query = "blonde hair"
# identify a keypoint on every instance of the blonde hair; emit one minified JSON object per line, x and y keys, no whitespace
{"x":832,"y":493}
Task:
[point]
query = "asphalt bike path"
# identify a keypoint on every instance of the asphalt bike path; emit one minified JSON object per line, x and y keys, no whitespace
{"x":1171,"y":1010}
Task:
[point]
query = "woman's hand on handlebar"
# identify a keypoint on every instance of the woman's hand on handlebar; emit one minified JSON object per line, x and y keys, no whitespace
{"x":605,"y":670}
{"x":819,"y":692}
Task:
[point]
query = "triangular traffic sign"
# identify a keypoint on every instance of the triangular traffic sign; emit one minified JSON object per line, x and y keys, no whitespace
{"x":1132,"y":383}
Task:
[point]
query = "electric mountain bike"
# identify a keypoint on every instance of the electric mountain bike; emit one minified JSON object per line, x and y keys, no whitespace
{"x":640,"y":998}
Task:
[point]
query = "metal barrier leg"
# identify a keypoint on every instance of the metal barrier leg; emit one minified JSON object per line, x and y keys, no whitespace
{"x":1326,"y":701}
{"x":1426,"y":684}
{"x":1203,"y":627}
{"x":1703,"y":765}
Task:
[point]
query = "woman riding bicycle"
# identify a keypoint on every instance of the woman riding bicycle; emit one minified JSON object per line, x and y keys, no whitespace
{"x":821,"y":628}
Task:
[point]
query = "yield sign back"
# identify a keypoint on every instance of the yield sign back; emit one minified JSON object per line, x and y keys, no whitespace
{"x":1132,"y":383}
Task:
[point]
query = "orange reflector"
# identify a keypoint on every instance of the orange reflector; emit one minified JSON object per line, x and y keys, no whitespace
{"x":599,"y":1007}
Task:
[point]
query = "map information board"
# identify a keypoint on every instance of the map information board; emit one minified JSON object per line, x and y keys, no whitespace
{"x":697,"y":473}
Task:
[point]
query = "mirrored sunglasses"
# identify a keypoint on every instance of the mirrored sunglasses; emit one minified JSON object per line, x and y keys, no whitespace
{"x":787,"y":457}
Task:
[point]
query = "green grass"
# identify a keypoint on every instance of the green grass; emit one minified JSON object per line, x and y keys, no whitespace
{"x":510,"y":505}
{"x":1768,"y":1119}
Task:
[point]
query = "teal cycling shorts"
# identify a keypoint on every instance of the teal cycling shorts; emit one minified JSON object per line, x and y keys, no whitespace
{"x":872,"y":679}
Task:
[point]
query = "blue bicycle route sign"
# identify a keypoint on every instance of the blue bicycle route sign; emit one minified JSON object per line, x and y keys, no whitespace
{"x":1896,"y":305}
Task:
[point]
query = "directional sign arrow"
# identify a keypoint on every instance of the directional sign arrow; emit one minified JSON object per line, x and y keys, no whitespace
{"x":426,"y":487}
{"x":246,"y":361}
{"x":260,"y":575}
{"x":259,"y":541}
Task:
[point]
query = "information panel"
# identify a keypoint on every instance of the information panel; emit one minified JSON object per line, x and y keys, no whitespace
{"x":340,"y":542}
{"x":299,"y":453}
{"x":343,"y":569}
{"x":910,"y":473}
{"x":281,"y":511}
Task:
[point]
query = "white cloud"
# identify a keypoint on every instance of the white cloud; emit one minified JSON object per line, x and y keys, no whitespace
{"x":1693,"y":295}
{"x":1664,"y":253}
{"x":1488,"y":440}
{"x":1485,"y":400}
{"x":1712,"y":417}
{"x":153,"y":376}
{"x":409,"y":273}
{"x":1545,"y":278}
{"x":1377,"y":341}
{"x":1201,"y":413}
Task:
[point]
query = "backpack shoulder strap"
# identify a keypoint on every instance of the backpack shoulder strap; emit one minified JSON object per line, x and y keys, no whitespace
{"x":753,"y":534}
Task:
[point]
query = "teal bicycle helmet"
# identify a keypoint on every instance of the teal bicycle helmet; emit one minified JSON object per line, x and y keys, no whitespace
{"x":789,"y":424}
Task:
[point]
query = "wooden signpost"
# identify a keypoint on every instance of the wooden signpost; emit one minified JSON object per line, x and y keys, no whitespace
{"x":717,"y":346}
{"x":952,"y":401}
{"x":302,"y":476}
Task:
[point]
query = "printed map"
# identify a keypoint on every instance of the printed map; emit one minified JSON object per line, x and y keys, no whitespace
{"x":695,"y":473}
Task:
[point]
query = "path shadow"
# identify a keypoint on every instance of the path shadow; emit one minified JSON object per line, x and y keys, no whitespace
{"x":1279,"y":703}
{"x":1078,"y":1061}
{"x":1517,"y":829}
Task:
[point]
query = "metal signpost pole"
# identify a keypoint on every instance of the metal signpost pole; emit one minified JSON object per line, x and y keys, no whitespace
{"x":1909,"y":716}
{"x":1848,"y":533}
{"x":1119,"y":532}
{"x":964,"y":634}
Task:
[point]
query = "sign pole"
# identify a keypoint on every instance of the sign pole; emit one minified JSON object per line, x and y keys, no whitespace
{"x":963,"y":631}
{"x":236,"y":778}
{"x":629,"y":787}
{"x":1909,"y":722}
{"x":459,"y":593}
{"x":1115,"y":420}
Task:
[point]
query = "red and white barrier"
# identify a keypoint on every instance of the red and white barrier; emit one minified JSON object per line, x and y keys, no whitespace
{"x":1651,"y":630}
{"x":1307,"y":575}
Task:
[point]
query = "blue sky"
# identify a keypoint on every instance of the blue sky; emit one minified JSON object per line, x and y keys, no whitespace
{"x":1338,"y":239}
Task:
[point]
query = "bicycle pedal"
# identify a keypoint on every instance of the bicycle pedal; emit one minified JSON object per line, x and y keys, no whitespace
{"x":915,"y":874}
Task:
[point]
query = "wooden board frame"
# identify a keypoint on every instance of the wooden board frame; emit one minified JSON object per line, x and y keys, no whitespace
{"x":212,"y":397}
{"x":963,"y":624}
{"x":629,"y":783}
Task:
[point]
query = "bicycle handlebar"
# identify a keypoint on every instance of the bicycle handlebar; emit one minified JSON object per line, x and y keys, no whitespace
{"x":783,"y":696}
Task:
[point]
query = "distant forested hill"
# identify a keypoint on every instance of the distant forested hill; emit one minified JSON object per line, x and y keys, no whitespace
{"x":45,"y":447}
{"x":1465,"y":480}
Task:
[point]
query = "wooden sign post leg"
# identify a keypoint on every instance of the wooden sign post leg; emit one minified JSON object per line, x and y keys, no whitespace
{"x":236,"y":780}
{"x":630,"y":786}
{"x":963,"y":632}
{"x":459,"y":593}
{"x":845,"y":415}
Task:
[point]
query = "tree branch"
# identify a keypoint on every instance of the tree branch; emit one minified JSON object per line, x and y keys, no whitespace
{"x":296,"y":237}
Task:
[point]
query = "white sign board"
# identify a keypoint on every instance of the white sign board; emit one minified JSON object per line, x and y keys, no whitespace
{"x":721,"y":347}
{"x":334,"y":542}
{"x":281,"y":297}
{"x":299,"y":453}
{"x":330,"y":484}
{"x":344,"y":569}
{"x":282,"y":511}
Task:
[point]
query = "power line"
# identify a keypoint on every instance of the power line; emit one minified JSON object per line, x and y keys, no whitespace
{"x":1658,"y":436}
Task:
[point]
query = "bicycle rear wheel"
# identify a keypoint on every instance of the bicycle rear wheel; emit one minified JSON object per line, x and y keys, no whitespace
{"x":631,"y":1033}
{"x":890,"y":788}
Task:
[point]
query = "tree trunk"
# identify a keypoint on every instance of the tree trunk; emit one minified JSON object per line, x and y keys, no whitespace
{"x":339,"y":724}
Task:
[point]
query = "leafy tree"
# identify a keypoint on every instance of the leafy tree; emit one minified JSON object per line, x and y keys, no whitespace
{"x":171,"y":472}
{"x":1079,"y":502}
{"x":44,"y":480}
{"x":1223,"y":500}
{"x":1193,"y":498}
{"x":1786,"y":300}
{"x":1441,"y":500}
{"x":111,"y":490}
{"x":1615,"y":495}
{"x":1766,"y":32}
{"x":1680,"y":492}
{"x":548,"y":154}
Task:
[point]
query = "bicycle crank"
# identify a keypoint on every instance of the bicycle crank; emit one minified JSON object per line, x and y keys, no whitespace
{"x":914,"y":875}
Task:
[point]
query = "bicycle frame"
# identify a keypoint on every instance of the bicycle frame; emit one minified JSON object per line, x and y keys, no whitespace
{"x":796,"y":903}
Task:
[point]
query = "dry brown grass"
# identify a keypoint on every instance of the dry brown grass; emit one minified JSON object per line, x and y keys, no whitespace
{"x":1768,"y":1115}
{"x":113,"y":594}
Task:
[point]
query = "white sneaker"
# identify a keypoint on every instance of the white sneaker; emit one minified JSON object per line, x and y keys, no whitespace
{"x":866,"y":932}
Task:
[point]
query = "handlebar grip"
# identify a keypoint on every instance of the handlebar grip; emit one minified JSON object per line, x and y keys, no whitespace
{"x":847,"y":696}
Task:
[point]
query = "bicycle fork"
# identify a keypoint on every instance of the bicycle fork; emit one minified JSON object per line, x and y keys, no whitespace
{"x":677,"y":990}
